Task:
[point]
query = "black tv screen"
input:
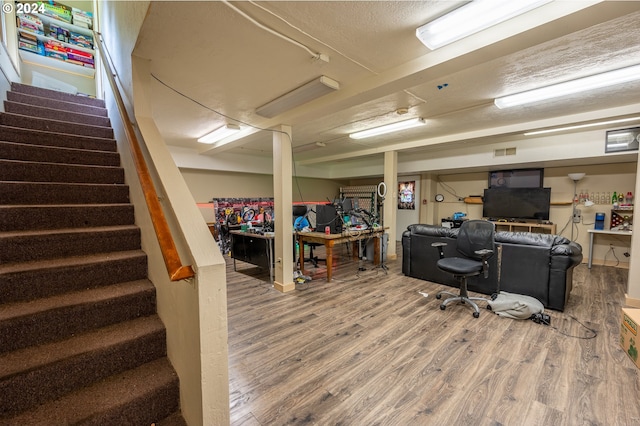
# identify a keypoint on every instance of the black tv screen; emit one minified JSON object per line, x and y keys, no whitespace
{"x":516,"y":203}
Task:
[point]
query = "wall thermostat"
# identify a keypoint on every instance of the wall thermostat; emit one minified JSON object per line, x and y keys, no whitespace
{"x":439,"y":198}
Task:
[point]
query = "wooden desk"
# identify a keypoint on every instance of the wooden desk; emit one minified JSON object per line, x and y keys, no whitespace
{"x":330,"y":240}
{"x":593,"y":232}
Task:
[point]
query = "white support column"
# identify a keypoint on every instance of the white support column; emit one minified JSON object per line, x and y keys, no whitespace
{"x":283,"y":202}
{"x":633,"y":284}
{"x":391,"y":201}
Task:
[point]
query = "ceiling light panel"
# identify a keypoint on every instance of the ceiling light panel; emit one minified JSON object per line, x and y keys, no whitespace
{"x":220,"y":133}
{"x":582,"y":126}
{"x":471,"y":18}
{"x":597,"y":81}
{"x":389,"y":128}
{"x":307,"y":92}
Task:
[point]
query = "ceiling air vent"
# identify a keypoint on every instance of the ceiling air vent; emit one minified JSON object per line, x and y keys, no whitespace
{"x":504,"y":151}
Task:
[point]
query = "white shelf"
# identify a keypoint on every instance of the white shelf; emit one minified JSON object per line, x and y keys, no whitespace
{"x":45,"y":38}
{"x":56,"y":64}
{"x":63,"y":24}
{"x":544,"y":228}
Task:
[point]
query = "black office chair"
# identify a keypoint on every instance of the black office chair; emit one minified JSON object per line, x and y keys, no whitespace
{"x":476,"y":243}
{"x":301,"y":211}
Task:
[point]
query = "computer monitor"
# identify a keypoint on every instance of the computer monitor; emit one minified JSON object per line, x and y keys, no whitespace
{"x":327,"y":215}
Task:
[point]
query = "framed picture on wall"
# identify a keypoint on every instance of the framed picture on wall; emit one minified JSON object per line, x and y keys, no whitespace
{"x":407,"y":195}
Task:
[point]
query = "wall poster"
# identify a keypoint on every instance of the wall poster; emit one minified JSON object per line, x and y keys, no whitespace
{"x":406,"y":195}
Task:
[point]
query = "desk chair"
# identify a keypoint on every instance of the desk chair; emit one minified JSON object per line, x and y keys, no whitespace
{"x":301,"y":221}
{"x":476,"y":244}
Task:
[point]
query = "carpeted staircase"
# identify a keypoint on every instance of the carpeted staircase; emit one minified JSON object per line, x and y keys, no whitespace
{"x":80,"y":340}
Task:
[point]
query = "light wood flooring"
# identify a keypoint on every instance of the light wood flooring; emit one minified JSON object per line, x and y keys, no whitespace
{"x":368,"y":349}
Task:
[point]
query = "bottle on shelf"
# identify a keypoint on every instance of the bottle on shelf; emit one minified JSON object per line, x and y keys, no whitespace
{"x":620,"y":198}
{"x":614,"y":199}
{"x":629,"y":198}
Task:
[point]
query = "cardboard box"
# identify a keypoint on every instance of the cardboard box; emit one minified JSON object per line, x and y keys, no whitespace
{"x":629,"y":339}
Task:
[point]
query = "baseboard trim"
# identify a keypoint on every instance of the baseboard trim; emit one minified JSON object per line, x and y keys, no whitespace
{"x":631,"y":301}
{"x":284,"y":288}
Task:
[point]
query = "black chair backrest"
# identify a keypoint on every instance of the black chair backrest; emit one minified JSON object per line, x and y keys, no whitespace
{"x":475,"y":235}
{"x":299,"y":210}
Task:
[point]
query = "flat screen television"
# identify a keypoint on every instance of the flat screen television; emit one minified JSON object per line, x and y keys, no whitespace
{"x":516,"y":203}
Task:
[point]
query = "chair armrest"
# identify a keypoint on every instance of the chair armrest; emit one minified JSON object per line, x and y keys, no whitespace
{"x":439,"y":245}
{"x":484,"y":254}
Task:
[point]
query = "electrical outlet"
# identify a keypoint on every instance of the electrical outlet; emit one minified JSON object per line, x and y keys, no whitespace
{"x":577,"y":216}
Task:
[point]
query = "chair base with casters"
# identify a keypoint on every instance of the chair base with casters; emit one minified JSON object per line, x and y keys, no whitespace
{"x":475,"y":242}
{"x":313,"y":259}
{"x":462,"y":299}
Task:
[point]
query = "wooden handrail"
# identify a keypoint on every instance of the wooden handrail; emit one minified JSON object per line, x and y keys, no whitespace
{"x":177,"y":271}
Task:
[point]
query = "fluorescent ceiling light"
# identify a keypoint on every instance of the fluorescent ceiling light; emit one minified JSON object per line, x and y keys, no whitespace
{"x":472,"y":18}
{"x":220,"y":133}
{"x":597,"y":81}
{"x":389,"y":128}
{"x":582,"y":126}
{"x":301,"y":95}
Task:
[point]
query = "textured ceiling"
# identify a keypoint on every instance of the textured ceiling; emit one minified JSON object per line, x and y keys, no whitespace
{"x":228,"y":66}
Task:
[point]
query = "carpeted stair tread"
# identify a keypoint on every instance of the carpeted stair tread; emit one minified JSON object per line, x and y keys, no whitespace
{"x":57,"y":126}
{"x":52,"y":154}
{"x":30,"y":171}
{"x":139,"y":396}
{"x":24,"y":246}
{"x":43,"y":137}
{"x":37,"y":321}
{"x":61,"y":193}
{"x":28,"y":359}
{"x":55,"y":94}
{"x":41,"y":217}
{"x":44,"y":278}
{"x":10,"y":268}
{"x":27,"y":99}
{"x":37,"y":374}
{"x":55,"y":114}
{"x":22,"y":309}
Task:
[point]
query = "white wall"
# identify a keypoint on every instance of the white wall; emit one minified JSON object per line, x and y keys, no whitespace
{"x":208,"y":184}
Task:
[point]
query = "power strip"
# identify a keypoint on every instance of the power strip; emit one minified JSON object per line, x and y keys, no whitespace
{"x":544,"y":319}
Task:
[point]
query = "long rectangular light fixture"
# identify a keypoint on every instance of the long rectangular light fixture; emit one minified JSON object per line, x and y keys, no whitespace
{"x":298,"y":96}
{"x":220,"y":133}
{"x":389,"y":128}
{"x":471,"y":18}
{"x":581,"y":126}
{"x":597,"y":81}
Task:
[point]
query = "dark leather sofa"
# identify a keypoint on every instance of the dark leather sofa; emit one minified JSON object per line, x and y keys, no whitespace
{"x":537,"y":265}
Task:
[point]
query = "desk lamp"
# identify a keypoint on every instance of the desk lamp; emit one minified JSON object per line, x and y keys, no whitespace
{"x":575,"y":177}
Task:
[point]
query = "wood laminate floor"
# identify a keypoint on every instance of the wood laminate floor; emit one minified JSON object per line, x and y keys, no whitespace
{"x":369,"y":349}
